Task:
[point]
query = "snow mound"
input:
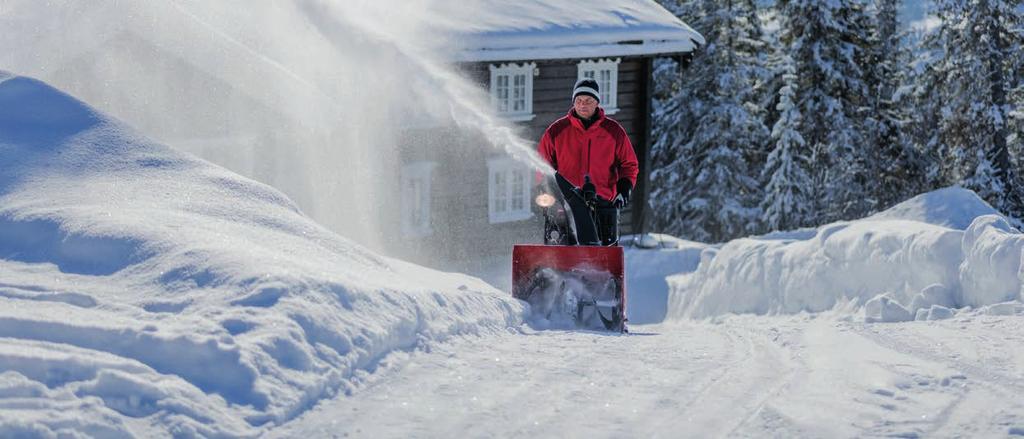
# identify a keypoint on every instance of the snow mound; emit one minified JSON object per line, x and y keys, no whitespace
{"x":144,"y":292}
{"x":991,"y":271}
{"x":936,"y":252}
{"x":952,"y":207}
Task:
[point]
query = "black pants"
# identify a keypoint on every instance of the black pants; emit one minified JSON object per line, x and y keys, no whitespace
{"x":608,"y":225}
{"x":602,"y":229}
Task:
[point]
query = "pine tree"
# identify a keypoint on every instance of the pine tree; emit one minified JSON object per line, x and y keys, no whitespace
{"x":985,"y":181}
{"x":785,"y":204}
{"x":898,"y":168}
{"x":827,"y":42}
{"x":921,"y":95}
{"x":703,"y":184}
{"x":674,"y":108}
{"x":975,"y":73}
{"x":1015,"y":142}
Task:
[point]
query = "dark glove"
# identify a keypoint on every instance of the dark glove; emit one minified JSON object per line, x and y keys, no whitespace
{"x":589,"y":190}
{"x":624,"y":189}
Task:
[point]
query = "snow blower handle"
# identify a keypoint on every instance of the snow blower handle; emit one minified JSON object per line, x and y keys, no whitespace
{"x":589,"y":190}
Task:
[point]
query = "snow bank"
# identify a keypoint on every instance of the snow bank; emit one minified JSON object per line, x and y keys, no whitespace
{"x":940,"y":250}
{"x":991,"y":270}
{"x":649,"y":259}
{"x":145,"y":292}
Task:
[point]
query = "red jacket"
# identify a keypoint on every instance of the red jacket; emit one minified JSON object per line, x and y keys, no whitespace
{"x":603,"y":151}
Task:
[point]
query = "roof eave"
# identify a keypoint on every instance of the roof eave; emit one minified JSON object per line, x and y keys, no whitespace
{"x":606,"y":50}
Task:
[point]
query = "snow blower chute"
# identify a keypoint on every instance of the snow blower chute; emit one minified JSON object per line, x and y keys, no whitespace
{"x":578,"y":276}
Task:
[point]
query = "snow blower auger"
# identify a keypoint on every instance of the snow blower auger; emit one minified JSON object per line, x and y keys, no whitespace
{"x":578,"y":276}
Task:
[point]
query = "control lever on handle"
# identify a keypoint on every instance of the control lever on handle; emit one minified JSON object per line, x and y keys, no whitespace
{"x":589,"y":190}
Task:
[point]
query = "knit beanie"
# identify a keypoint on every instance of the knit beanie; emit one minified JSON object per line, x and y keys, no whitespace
{"x":586,"y":86}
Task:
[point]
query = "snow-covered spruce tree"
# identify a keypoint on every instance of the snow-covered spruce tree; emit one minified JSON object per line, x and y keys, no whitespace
{"x":827,"y":41}
{"x":785,"y":204}
{"x":921,"y":93}
{"x":703,"y":186}
{"x":985,"y":180}
{"x":974,"y":65}
{"x":762,"y":95}
{"x":1015,"y":141}
{"x":898,"y":168}
{"x":672,"y":112}
{"x":672,"y":121}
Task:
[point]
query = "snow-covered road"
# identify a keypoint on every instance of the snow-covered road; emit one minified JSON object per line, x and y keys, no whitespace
{"x":737,"y":376}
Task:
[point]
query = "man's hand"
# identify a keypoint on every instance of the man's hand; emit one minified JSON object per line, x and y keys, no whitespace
{"x":624,"y":188}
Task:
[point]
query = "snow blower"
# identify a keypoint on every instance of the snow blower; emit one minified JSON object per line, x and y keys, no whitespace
{"x":578,"y":276}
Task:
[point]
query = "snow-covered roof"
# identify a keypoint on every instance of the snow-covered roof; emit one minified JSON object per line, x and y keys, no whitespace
{"x":497,"y":30}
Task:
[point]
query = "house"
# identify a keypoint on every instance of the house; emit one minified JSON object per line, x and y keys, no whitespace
{"x":465,"y":205}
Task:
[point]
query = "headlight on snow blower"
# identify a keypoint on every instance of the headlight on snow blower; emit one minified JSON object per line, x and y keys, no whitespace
{"x":545,"y":200}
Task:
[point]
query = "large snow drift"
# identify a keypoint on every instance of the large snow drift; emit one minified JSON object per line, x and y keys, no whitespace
{"x":145,"y":292}
{"x":940,"y":250}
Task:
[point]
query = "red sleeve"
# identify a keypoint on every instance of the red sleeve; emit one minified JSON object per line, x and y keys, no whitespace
{"x":628,"y":165}
{"x":546,"y":148}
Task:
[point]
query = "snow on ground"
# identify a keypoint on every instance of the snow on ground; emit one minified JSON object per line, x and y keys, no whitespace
{"x":144,"y":292}
{"x":841,"y":371}
{"x":923,"y":258}
{"x":735,"y":376}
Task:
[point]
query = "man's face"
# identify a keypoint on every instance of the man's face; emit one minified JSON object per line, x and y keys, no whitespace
{"x":585,"y":106}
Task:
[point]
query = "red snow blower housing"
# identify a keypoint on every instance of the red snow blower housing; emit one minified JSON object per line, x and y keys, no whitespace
{"x":578,"y":276}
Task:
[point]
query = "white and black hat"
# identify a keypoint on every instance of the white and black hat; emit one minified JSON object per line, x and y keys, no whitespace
{"x":586,"y":86}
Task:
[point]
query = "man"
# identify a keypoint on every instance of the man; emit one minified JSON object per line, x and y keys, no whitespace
{"x":586,"y":144}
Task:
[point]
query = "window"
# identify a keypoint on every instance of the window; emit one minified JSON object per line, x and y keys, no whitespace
{"x":512,"y":90}
{"x":606,"y":73}
{"x":416,"y":198}
{"x":509,"y":183}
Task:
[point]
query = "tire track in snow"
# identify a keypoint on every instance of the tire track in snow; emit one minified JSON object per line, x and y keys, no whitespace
{"x":783,"y":376}
{"x":586,"y":384}
{"x":708,"y":383}
{"x":994,"y":379}
{"x":975,"y":376}
{"x":739,"y":392}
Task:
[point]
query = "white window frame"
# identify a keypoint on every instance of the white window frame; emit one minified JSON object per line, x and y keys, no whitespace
{"x":503,"y":197}
{"x":503,"y":104}
{"x":416,"y":206}
{"x":610,"y":90}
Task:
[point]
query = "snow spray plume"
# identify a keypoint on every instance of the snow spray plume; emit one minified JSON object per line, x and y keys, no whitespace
{"x":307,"y":96}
